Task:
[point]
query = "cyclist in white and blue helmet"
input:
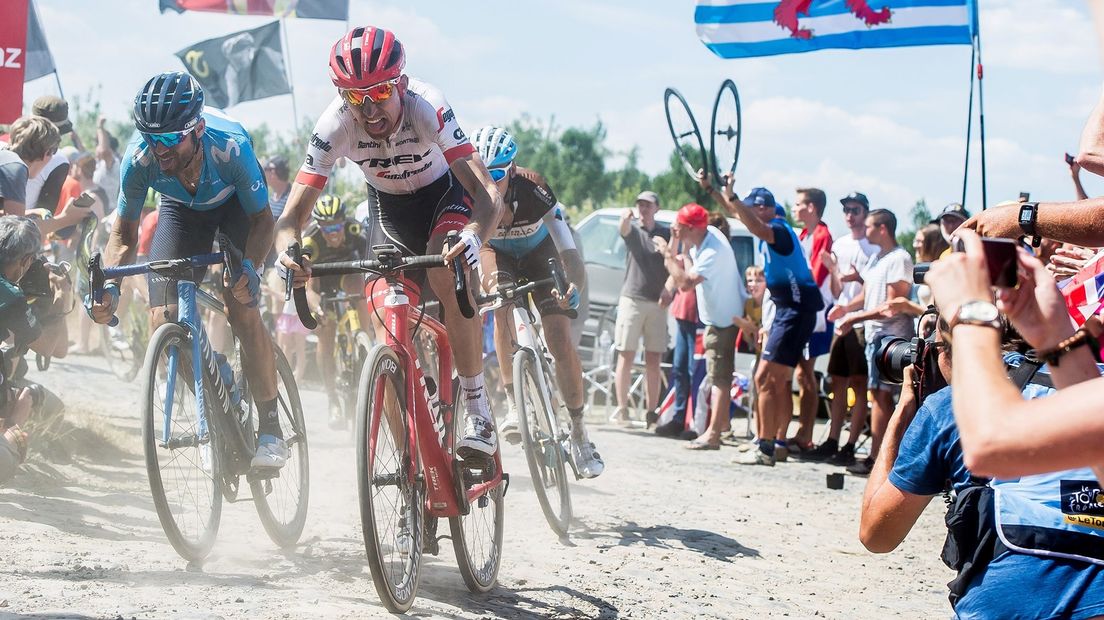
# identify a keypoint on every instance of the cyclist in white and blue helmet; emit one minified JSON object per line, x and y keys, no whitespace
{"x":532,"y":231}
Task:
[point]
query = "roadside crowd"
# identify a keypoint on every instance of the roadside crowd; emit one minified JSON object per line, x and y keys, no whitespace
{"x":1015,"y":454}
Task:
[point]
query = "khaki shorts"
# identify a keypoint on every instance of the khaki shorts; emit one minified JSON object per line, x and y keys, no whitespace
{"x":720,"y":355}
{"x":637,"y":318}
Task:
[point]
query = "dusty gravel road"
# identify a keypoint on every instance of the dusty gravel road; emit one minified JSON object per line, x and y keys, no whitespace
{"x":664,"y":533}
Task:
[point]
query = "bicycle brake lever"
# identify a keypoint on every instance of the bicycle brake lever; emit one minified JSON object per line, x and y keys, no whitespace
{"x":302,"y":308}
{"x":460,"y":281}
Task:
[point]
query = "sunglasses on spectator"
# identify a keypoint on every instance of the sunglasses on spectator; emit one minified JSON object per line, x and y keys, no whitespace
{"x":167,"y":140}
{"x":852,"y":210}
{"x":376,"y":93}
{"x":332,"y":229}
{"x":497,"y":174}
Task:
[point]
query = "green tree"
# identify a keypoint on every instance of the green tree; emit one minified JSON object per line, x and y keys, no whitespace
{"x":919,"y":217}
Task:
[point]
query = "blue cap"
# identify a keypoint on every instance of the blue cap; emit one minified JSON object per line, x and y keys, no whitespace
{"x":780,"y":211}
{"x":761,"y":196}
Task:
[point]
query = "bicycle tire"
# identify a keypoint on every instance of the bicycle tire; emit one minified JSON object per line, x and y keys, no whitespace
{"x":191,"y":546}
{"x":381,"y":371}
{"x":684,"y":132}
{"x":724,"y":139}
{"x":539,"y":438}
{"x":122,"y":354}
{"x":285,"y":528}
{"x":363,"y":348}
{"x":479,"y":568}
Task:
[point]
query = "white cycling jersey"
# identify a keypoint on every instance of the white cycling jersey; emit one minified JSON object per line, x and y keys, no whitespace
{"x":427,"y":141}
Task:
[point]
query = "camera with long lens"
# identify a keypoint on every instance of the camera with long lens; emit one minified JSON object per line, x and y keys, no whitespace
{"x":894,"y":354}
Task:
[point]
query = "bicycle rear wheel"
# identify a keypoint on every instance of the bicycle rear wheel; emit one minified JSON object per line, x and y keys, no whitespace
{"x":541,"y":438}
{"x":185,"y":470}
{"x":477,"y":536}
{"x":391,"y":494}
{"x":725,"y":131}
{"x":282,"y":501}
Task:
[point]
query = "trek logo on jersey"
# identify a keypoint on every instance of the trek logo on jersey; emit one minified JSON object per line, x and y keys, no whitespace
{"x":366,"y":145}
{"x":319,"y":143}
{"x":444,"y":116}
{"x":397,"y":160}
{"x":406,"y":174}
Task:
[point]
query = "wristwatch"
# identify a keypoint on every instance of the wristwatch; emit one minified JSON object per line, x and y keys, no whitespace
{"x":977,"y":313}
{"x":1029,"y":214}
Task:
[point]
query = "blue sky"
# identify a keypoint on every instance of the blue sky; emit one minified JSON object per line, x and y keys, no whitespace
{"x":889,"y":122}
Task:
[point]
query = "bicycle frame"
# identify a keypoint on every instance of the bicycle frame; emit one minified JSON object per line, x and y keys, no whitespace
{"x":203,"y":357}
{"x":436,"y":456}
{"x":527,"y":337}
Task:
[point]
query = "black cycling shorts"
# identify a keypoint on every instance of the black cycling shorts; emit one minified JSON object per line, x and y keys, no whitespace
{"x":504,"y":269}
{"x":409,"y":221}
{"x":183,"y":231}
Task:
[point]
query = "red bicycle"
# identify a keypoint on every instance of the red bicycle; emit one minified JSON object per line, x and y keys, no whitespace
{"x":408,"y":473}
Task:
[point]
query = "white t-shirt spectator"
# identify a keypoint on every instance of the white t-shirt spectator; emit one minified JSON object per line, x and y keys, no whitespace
{"x":13,"y":178}
{"x":852,"y":255}
{"x":108,"y":179}
{"x":721,"y":295}
{"x":894,"y":266}
{"x":34,"y":185}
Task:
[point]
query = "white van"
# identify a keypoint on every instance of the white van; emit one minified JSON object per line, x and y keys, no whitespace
{"x":604,"y":252}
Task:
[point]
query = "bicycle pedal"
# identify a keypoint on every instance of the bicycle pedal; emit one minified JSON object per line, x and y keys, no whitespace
{"x":262,"y":473}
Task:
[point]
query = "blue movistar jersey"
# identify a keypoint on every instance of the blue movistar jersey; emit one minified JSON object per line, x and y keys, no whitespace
{"x":229,"y":166}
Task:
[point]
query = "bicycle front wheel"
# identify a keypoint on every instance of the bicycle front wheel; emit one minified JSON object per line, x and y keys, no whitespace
{"x":540,"y":436}
{"x":391,"y":496}
{"x":282,"y":501}
{"x":477,"y":536}
{"x":182,"y":456}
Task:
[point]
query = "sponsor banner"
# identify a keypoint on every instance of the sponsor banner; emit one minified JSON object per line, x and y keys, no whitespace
{"x":13,"y":60}
{"x":317,"y":9}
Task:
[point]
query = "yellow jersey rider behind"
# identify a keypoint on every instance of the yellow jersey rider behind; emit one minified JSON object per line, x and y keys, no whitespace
{"x":332,"y":236}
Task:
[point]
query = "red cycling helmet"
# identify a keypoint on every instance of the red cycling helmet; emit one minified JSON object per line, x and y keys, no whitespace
{"x":366,"y":56}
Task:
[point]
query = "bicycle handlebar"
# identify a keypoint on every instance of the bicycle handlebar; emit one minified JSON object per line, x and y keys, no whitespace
{"x":499,"y":298}
{"x":391,"y":263}
{"x":295,"y":251}
{"x":98,"y":274}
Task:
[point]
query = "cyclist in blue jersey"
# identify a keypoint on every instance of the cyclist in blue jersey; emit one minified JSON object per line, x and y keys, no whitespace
{"x":532,"y":231}
{"x":202,"y":163}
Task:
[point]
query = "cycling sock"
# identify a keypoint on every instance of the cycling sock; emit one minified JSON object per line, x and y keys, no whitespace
{"x":269,"y":419}
{"x":576,"y":414}
{"x":766,"y":446}
{"x":475,"y":396}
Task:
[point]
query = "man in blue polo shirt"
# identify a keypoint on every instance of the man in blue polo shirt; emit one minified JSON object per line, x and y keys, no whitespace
{"x":796,"y":298}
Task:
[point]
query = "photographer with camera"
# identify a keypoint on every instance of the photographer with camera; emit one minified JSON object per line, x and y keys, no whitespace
{"x":1001,"y":433}
{"x":922,"y":457}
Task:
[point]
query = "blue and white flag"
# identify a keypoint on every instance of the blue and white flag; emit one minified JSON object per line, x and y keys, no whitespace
{"x":744,"y":28}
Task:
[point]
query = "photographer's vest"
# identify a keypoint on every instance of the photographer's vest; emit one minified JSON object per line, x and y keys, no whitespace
{"x":1060,"y":514}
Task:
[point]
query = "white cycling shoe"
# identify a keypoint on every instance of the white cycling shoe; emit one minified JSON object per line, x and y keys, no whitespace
{"x":510,"y":429}
{"x":272,"y":453}
{"x":588,"y":463}
{"x":480,"y":440}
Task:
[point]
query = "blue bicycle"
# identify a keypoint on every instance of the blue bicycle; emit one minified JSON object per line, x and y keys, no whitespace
{"x":199,"y":423}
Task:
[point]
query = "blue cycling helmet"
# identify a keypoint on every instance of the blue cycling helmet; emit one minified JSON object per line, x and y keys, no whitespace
{"x":169,"y":102}
{"x":495,"y":146}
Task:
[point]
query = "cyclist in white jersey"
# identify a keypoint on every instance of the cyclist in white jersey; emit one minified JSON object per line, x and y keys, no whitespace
{"x":427,"y":179}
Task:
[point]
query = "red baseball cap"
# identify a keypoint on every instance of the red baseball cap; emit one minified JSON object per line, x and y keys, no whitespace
{"x":693,"y":215}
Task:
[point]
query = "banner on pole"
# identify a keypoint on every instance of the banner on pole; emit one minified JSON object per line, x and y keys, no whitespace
{"x":242,"y":66}
{"x":13,"y":46}
{"x":747,"y":28}
{"x":40,"y":62}
{"x":317,"y":9}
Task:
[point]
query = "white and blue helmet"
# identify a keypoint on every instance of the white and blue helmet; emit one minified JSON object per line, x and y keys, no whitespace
{"x":495,"y":146}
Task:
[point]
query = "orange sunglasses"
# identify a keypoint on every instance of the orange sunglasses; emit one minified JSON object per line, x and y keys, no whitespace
{"x":376,"y":93}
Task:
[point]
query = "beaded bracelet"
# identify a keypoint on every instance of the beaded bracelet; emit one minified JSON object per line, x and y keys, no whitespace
{"x":1052,"y":356}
